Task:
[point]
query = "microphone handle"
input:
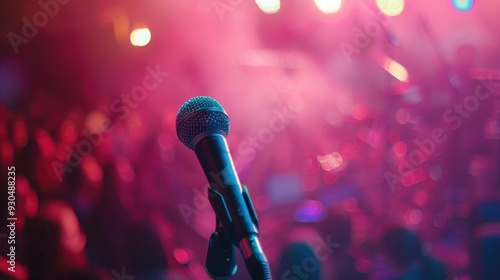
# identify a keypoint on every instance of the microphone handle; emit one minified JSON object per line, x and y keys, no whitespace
{"x":232,"y":203}
{"x":215,"y":159}
{"x":255,"y":260}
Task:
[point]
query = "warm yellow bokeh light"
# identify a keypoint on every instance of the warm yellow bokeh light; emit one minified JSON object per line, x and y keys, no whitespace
{"x":140,"y":37}
{"x":397,"y":70}
{"x":391,"y":7}
{"x":269,"y":6}
{"x":331,"y":161}
{"x":328,"y":6}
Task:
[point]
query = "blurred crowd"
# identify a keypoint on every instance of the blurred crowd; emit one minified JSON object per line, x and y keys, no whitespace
{"x":95,"y":223}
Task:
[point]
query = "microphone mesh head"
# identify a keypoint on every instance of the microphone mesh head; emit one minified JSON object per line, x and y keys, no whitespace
{"x":198,"y":117}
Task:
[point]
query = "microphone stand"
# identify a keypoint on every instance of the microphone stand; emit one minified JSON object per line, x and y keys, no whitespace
{"x":221,"y":255}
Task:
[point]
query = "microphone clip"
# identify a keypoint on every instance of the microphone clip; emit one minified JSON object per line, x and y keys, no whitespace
{"x":221,"y":255}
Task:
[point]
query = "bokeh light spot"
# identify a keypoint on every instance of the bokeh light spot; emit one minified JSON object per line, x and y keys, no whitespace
{"x":333,"y":117}
{"x":331,"y":161}
{"x":435,"y":172}
{"x":269,"y":6}
{"x":94,"y":123}
{"x":413,"y":216}
{"x":463,"y":5}
{"x":296,"y":104}
{"x":45,"y":143}
{"x":359,"y":112}
{"x":394,"y":68}
{"x":20,"y":133}
{"x":391,"y":7}
{"x":125,"y":170}
{"x":440,"y":220}
{"x":181,"y":256}
{"x":92,"y":170}
{"x":328,"y":6}
{"x":310,"y":211}
{"x":402,"y":116}
{"x":140,"y":37}
{"x":400,"y":148}
{"x":68,"y":132}
{"x":350,"y":204}
{"x":421,"y":197}
{"x":413,"y":177}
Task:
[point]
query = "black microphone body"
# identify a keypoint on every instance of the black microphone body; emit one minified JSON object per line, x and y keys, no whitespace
{"x":202,"y":125}
{"x":214,"y":156}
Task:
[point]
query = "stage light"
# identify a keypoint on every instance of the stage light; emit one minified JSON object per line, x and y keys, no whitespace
{"x":269,"y":6}
{"x":328,"y":6}
{"x":140,"y":37}
{"x":463,"y":5}
{"x":391,"y":7}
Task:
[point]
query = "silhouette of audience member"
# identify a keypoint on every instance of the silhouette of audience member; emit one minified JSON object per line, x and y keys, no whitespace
{"x":19,"y":273}
{"x":485,"y":241}
{"x":56,"y":245}
{"x":338,"y":229}
{"x":402,"y":250}
{"x":148,"y":258}
{"x":298,"y":261}
{"x":27,"y":202}
{"x":149,"y":252}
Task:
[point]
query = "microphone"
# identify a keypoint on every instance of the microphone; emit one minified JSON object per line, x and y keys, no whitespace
{"x":203,"y":125}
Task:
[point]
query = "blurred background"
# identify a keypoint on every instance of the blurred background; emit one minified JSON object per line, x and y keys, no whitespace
{"x":367,"y":133}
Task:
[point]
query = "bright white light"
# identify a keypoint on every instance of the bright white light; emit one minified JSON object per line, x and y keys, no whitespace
{"x":269,"y":6}
{"x":328,"y":6}
{"x":391,"y":7}
{"x":140,"y":37}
